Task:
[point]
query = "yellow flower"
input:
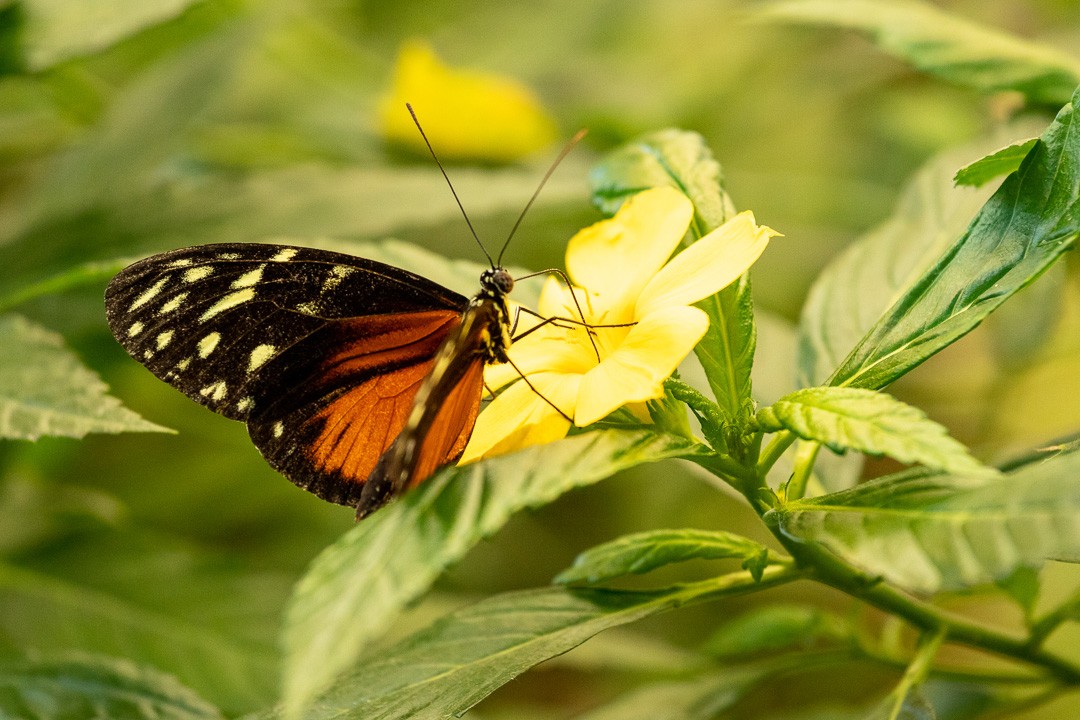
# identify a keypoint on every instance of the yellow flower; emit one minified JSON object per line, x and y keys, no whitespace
{"x":622,"y":275}
{"x":467,"y":114}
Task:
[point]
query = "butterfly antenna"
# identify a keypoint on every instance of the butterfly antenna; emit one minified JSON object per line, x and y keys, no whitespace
{"x":565,"y":151}
{"x":452,"y":191}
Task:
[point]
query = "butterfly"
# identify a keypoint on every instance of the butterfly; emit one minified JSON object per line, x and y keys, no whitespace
{"x":357,"y":379}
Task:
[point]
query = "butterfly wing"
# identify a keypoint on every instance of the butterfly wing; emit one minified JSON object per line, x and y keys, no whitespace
{"x":444,"y":411}
{"x":320,"y":353}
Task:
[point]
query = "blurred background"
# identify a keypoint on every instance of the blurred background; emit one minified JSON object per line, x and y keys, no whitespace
{"x":129,"y":127}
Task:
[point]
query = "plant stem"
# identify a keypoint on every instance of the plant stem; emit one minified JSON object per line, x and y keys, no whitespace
{"x":781,"y":441}
{"x":835,"y":572}
{"x":804,"y":465}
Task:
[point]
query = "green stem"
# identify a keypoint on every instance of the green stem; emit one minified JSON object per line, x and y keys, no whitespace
{"x":1046,"y":625}
{"x":835,"y":572}
{"x":917,"y":671}
{"x":805,"y":457}
{"x":777,"y":446}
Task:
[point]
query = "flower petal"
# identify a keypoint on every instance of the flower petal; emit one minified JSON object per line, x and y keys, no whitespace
{"x":707,"y":266}
{"x":637,"y":369}
{"x":615,"y":258}
{"x":518,"y":417}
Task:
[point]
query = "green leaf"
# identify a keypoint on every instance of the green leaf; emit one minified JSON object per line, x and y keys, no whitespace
{"x":46,"y":612}
{"x":870,"y":422}
{"x":78,"y":687}
{"x":930,"y":533}
{"x":860,"y":284}
{"x":682,"y":160}
{"x":357,"y":586}
{"x":1002,"y":162}
{"x":459,"y":660}
{"x":942,"y":44}
{"x":646,"y":551}
{"x":1021,"y":231}
{"x":775,"y":628}
{"x":55,"y":30}
{"x":45,"y":390}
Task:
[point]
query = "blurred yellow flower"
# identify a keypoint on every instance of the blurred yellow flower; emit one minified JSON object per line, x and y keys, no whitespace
{"x":621,"y":275}
{"x":467,"y":114}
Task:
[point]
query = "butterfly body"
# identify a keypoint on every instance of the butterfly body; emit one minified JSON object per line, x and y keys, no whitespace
{"x":356,"y":379}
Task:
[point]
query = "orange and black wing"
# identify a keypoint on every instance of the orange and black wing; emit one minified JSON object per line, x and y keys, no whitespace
{"x":443,"y":414}
{"x":320,"y":353}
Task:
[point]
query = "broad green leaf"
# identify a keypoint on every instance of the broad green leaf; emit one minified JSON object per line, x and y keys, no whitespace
{"x":773,"y":628}
{"x":682,"y":160}
{"x":56,"y":30}
{"x":1002,"y":162}
{"x":698,"y":698}
{"x":45,"y":390}
{"x":942,"y":44}
{"x":44,"y":612}
{"x":459,"y":660}
{"x":646,"y":551}
{"x":870,"y":422}
{"x":357,"y":586}
{"x":930,"y":533}
{"x":860,"y":284}
{"x":1021,"y":231}
{"x":79,"y":687}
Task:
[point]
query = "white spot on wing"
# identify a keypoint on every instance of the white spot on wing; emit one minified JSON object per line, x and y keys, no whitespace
{"x":198,"y":273}
{"x":245,"y":404}
{"x":148,"y":294}
{"x":308,"y":308}
{"x":229,"y":256}
{"x":278,"y":429}
{"x":164,"y":339}
{"x":337,"y":274}
{"x":249,"y":278}
{"x":173,"y":304}
{"x":285,"y":255}
{"x":147,"y":354}
{"x":229,"y":301}
{"x":182,"y":262}
{"x":215,"y":391}
{"x":135,"y":329}
{"x":183,"y":364}
{"x":208,"y":343}
{"x":260,"y":355}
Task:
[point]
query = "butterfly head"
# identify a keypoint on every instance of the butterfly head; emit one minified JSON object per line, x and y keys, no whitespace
{"x":497,"y":281}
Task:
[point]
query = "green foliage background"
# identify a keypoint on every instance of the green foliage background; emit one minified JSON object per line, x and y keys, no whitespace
{"x":128,"y":128}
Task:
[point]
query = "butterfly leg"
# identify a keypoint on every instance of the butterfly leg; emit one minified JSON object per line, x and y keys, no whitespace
{"x":538,"y":393}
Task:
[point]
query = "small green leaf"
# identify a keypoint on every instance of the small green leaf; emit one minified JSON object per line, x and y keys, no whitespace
{"x":1003,"y":162}
{"x":775,"y":628}
{"x":1021,"y":231}
{"x":930,"y":533}
{"x":646,"y":551}
{"x":357,"y":586}
{"x":45,"y":390}
{"x":459,"y":660}
{"x":870,"y":422}
{"x":78,"y":687}
{"x":1023,"y":586}
{"x":943,"y":44}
